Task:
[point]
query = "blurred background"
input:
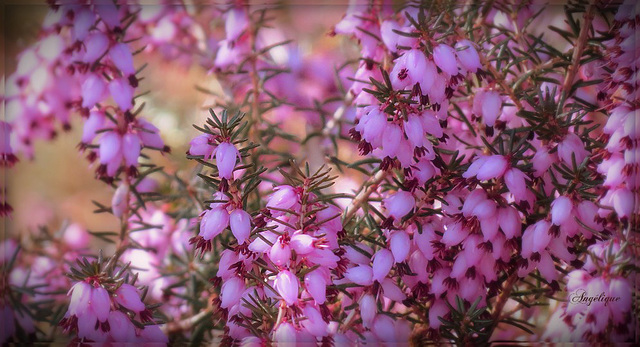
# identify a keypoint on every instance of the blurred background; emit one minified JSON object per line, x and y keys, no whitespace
{"x":59,"y":184}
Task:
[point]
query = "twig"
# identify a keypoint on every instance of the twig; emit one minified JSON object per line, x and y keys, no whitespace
{"x":578,"y":50}
{"x":502,"y":299}
{"x":363,"y":195}
{"x":187,"y":323}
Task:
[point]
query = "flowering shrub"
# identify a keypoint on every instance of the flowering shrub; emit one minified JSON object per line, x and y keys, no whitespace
{"x":452,"y":173}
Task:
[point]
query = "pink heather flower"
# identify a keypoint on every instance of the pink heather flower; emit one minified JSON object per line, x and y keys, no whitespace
{"x":285,"y":335}
{"x":283,"y":198}
{"x":109,"y":14}
{"x":542,"y":161}
{"x":314,"y":323}
{"x":286,"y":284}
{"x":120,"y":327}
{"x":400,"y":244}
{"x":110,"y":148}
{"x":280,"y":253}
{"x":128,"y":296}
{"x":392,"y":291}
{"x":623,"y":202}
{"x":240,"y":223}
{"x":411,"y":68}
{"x":491,"y":107}
{"x":131,"y":147}
{"x":93,"y":91}
{"x":445,"y":58}
{"x":368,"y":310}
{"x":382,"y":264}
{"x":201,"y":145}
{"x":572,"y":145}
{"x":236,"y":23}
{"x":122,"y":58}
{"x":119,"y":201}
{"x":83,"y":21}
{"x":96,"y":45}
{"x":392,"y":136}
{"x":517,"y":183}
{"x":151,"y":137}
{"x":316,"y":284}
{"x":100,"y":303}
{"x":7,"y":158}
{"x":454,"y":234}
{"x":399,"y":204}
{"x":231,"y":291}
{"x":213,"y":223}
{"x":391,"y":39}
{"x":122,"y":93}
{"x":487,"y":167}
{"x":510,"y":222}
{"x":414,"y":131}
{"x":384,"y":328}
{"x":94,"y":123}
{"x":467,"y":55}
{"x":361,"y":274}
{"x":80,"y":298}
{"x":226,"y":156}
{"x":561,"y":209}
{"x":302,"y":243}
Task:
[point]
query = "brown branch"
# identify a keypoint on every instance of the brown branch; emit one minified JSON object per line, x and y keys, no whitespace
{"x":502,"y":299}
{"x":364,"y":194}
{"x":578,"y":50}
{"x":187,"y":323}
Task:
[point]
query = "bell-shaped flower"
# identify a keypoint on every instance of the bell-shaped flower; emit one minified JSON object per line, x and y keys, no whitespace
{"x":561,"y":210}
{"x":80,"y":298}
{"x":314,"y":322}
{"x":240,"y":223}
{"x":468,"y":55}
{"x":399,"y":204}
{"x":226,"y":156}
{"x":122,"y":93}
{"x":400,"y":245}
{"x":94,"y":123}
{"x":231,"y":291}
{"x":445,"y":58}
{"x":368,"y":310}
{"x":286,"y":284}
{"x":409,"y":69}
{"x":302,"y":243}
{"x":316,"y":284}
{"x":382,"y":264}
{"x":119,"y":201}
{"x":93,"y":91}
{"x":131,"y":149}
{"x":283,"y":198}
{"x":128,"y":296}
{"x":280,"y":253}
{"x":517,"y":183}
{"x":572,"y":146}
{"x":361,"y":274}
{"x":100,"y":303}
{"x":236,"y":23}
{"x":96,"y":45}
{"x":201,"y":145}
{"x":213,"y":223}
{"x":122,"y":58}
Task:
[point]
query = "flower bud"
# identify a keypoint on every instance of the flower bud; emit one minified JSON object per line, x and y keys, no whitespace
{"x":231,"y":291}
{"x":400,"y":244}
{"x":561,"y":209}
{"x":240,"y":222}
{"x":280,"y":253}
{"x":399,"y":204}
{"x":368,"y":310}
{"x":122,"y":93}
{"x":93,"y":90}
{"x":468,"y":55}
{"x":100,"y":303}
{"x":445,"y":58}
{"x":382,"y":263}
{"x":361,"y":274}
{"x":226,"y":156}
{"x":286,"y":284}
{"x":316,"y":285}
{"x":213,"y":223}
{"x":131,"y":149}
{"x":128,"y":296}
{"x":122,"y":58}
{"x":119,"y":200}
{"x":314,"y":323}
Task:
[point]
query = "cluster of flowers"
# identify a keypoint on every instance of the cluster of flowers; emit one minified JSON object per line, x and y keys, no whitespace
{"x":604,"y":275}
{"x":107,"y":313}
